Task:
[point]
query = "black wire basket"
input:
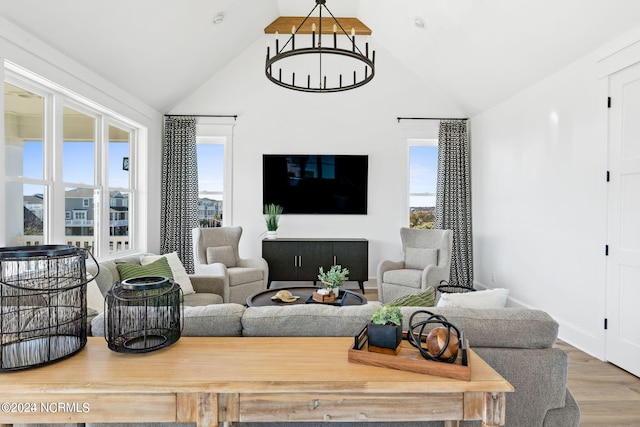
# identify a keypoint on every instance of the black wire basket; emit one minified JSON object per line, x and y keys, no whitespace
{"x":143,"y":314}
{"x":43,"y":304}
{"x":446,"y":288}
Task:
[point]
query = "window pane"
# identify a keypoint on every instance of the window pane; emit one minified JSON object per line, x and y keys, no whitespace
{"x":118,"y":221}
{"x":210,"y":167}
{"x":118,"y":158}
{"x":78,"y":147}
{"x":24,"y":214}
{"x":23,"y":132}
{"x":79,"y":229}
{"x":423,"y":170}
{"x":210,"y":184}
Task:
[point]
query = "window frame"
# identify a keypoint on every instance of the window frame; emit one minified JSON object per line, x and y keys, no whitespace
{"x":55,"y":99}
{"x":415,"y":142}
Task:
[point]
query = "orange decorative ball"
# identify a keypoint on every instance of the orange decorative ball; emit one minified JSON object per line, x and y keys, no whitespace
{"x":437,"y":339}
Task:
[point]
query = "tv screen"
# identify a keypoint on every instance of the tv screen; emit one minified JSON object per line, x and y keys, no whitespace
{"x":316,"y":184}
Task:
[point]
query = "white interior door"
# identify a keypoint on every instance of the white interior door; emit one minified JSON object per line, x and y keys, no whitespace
{"x":623,"y":262}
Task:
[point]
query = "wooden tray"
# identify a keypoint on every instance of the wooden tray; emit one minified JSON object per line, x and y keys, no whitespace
{"x":410,"y":359}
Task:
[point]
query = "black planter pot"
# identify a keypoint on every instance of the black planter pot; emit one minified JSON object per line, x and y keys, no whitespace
{"x":384,"y":336}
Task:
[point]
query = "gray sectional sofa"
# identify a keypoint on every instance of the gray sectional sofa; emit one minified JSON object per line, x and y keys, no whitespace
{"x":516,"y":342}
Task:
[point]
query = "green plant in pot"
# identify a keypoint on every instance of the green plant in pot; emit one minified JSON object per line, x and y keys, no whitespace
{"x":334,"y":278}
{"x":384,"y":330}
{"x":272,"y":214}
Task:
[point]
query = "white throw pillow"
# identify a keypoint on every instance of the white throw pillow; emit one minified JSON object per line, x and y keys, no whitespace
{"x":491,"y":298}
{"x":95,"y":299}
{"x":180,"y":275}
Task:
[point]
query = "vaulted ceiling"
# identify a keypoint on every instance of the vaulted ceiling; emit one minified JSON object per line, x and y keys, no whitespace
{"x":478,"y":52}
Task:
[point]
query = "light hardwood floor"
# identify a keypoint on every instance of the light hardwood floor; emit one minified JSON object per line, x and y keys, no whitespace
{"x":607,"y":395}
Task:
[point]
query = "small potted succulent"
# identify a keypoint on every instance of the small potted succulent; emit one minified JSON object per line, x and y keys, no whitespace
{"x":331,"y":280}
{"x":272,"y":214}
{"x":384,"y":330}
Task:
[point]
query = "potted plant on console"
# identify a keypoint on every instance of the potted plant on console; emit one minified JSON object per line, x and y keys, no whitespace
{"x":272,"y":214}
{"x":331,"y":280}
{"x":384,"y":330}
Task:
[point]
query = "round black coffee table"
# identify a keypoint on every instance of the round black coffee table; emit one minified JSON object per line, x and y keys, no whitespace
{"x":304,"y":292}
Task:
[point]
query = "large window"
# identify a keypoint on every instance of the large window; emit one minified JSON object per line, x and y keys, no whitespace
{"x":211,"y":156}
{"x":67,"y":172}
{"x":423,"y":176}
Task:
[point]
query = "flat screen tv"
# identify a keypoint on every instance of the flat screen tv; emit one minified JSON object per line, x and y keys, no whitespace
{"x":316,"y":184}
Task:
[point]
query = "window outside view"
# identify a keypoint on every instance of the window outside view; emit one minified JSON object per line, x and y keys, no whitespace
{"x":210,"y":182}
{"x":27,"y":189}
{"x":423,"y":178}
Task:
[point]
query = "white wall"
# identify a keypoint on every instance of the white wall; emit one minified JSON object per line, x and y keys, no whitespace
{"x":539,"y":163}
{"x":272,"y":119}
{"x":25,"y":51}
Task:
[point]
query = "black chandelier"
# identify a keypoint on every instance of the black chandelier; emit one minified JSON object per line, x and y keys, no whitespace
{"x":319,"y":64}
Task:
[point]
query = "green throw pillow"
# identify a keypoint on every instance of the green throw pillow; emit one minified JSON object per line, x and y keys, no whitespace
{"x":156,"y":268}
{"x":423,"y":299}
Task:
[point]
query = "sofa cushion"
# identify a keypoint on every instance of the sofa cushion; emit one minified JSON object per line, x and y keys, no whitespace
{"x":490,"y":298}
{"x":218,"y":320}
{"x":511,"y":327}
{"x":180,"y":275}
{"x":306,"y":320}
{"x":202,"y":298}
{"x":160,"y":267}
{"x":404,"y":277}
{"x":221,"y":254}
{"x":242,"y":275}
{"x":423,"y":299}
{"x":419,"y":258}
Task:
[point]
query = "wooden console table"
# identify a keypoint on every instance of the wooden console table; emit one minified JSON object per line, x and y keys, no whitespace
{"x":213,"y":380}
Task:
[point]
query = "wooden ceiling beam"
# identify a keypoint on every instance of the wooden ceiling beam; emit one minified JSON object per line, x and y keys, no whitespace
{"x":284,"y":24}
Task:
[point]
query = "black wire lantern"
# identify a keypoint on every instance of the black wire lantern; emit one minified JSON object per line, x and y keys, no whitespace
{"x":43,"y":304}
{"x":143,"y":314}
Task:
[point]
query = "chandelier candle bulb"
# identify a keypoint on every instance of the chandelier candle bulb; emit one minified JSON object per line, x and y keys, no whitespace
{"x":277,"y":42}
{"x":313,"y":35}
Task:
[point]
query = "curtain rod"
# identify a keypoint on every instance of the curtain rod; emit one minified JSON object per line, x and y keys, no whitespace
{"x":432,"y":118}
{"x":235,"y":116}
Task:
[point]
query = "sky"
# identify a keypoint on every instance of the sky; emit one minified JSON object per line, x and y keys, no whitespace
{"x":77,"y":164}
{"x":78,"y":167}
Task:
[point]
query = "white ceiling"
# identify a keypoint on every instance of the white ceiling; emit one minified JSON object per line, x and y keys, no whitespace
{"x":478,"y":52}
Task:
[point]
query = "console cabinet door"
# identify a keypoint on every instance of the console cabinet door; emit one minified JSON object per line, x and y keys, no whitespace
{"x":354,"y":256}
{"x":313,"y":255}
{"x":281,"y":258}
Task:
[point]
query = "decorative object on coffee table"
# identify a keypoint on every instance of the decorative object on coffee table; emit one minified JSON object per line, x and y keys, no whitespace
{"x":285,"y":296}
{"x":385,"y":330}
{"x":442,"y":342}
{"x":272,"y":214}
{"x":43,"y":297}
{"x":325,"y":295}
{"x":334,"y":278}
{"x":143,"y":314}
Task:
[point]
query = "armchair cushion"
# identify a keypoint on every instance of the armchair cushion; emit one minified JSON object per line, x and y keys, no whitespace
{"x":177,"y":269}
{"x":405,"y":277}
{"x":241,"y":275}
{"x":419,"y":258}
{"x":221,"y":254}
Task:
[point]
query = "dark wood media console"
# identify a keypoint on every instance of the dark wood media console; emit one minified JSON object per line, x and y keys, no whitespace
{"x":300,"y":259}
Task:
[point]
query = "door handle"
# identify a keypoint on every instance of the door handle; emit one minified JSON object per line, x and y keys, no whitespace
{"x":295,"y":260}
{"x":299,"y":260}
{"x":335,"y":260}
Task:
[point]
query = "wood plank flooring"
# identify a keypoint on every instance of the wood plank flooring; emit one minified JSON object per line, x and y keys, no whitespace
{"x":607,"y":395}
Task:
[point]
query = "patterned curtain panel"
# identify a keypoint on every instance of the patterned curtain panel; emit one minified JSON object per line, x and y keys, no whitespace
{"x":453,"y":197}
{"x":179,"y":188}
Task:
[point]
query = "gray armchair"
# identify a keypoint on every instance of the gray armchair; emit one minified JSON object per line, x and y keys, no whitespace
{"x":215,"y":252}
{"x":427,"y":261}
